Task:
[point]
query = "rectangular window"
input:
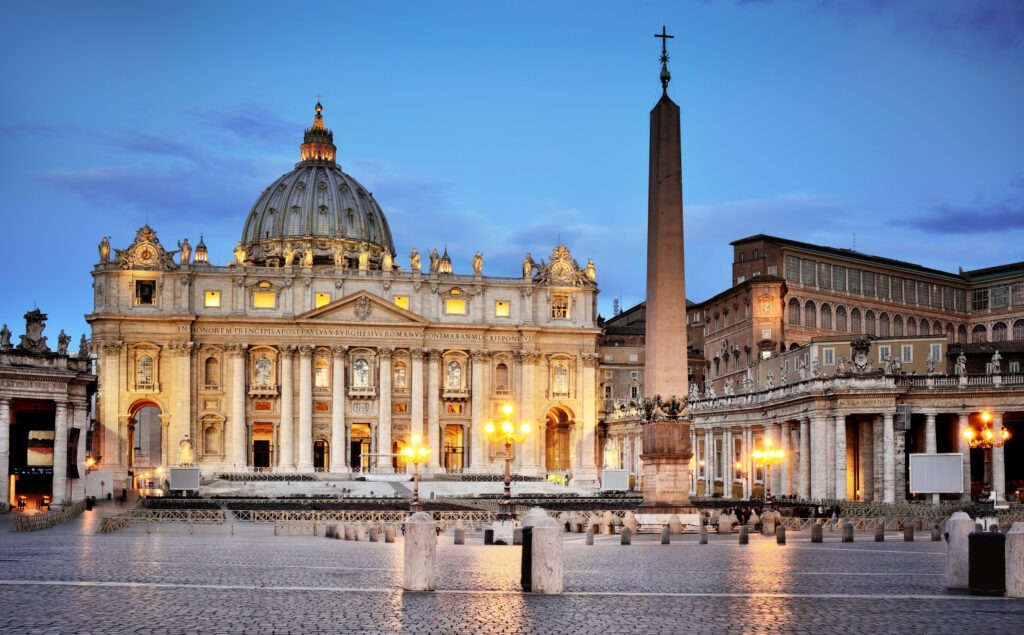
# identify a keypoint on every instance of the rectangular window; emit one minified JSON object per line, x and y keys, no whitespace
{"x":1000,"y":297}
{"x":868,"y":283}
{"x":502,"y":308}
{"x":828,"y":356}
{"x":1017,"y":294}
{"x":807,"y":268}
{"x":853,"y":280}
{"x":560,"y":307}
{"x":321,"y":299}
{"x":634,"y":392}
{"x":634,"y":375}
{"x":936,"y":352}
{"x":402,"y":302}
{"x":264,"y":300}
{"x":839,"y":278}
{"x":211,"y":299}
{"x":608,"y":392}
{"x":824,"y":276}
{"x":1015,"y":367}
{"x":766,"y":334}
{"x":897,"y":289}
{"x":948,"y":302}
{"x":923,"y":295}
{"x":884,"y":352}
{"x":883,"y":286}
{"x":718,"y":459}
{"x":907,"y":353}
{"x":936,"y":295}
{"x":792,"y":264}
{"x":633,"y":357}
{"x":145,"y":292}
{"x":455,"y":306}
{"x":979,"y":299}
{"x":608,"y":357}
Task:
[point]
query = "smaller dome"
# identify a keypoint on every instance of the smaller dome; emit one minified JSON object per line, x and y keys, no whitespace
{"x":317,"y":214}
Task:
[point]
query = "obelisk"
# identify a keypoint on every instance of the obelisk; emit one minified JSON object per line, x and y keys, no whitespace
{"x":666,"y":446}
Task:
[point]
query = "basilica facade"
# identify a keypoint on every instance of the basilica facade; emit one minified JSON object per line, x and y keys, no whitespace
{"x":314,"y":350}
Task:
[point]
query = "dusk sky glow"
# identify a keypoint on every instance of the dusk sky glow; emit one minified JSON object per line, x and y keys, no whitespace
{"x":895,"y":128}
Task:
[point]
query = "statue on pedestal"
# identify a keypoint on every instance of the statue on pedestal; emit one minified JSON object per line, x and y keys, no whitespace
{"x":997,"y":363}
{"x":105,"y":249}
{"x":414,"y":261}
{"x":63,"y":339}
{"x":186,"y":453}
{"x":5,"y":338}
{"x":478,"y":264}
{"x":528,"y":266}
{"x":240,"y":254}
{"x":961,"y":364}
{"x":186,"y":251}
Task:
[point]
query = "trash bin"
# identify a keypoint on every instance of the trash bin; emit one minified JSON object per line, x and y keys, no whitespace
{"x":986,"y":563}
{"x":488,"y":536}
{"x":89,"y":501}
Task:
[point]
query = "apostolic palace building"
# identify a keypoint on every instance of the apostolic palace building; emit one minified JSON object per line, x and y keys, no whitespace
{"x":317,"y":350}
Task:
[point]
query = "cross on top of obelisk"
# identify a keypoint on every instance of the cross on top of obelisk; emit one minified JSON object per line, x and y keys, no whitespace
{"x":666,"y":77}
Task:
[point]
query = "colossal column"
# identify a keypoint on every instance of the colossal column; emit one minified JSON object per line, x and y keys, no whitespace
{"x":527,"y":409}
{"x":339,"y":448}
{"x":930,"y":446}
{"x":889,"y":458}
{"x":434,"y":403}
{"x":477,"y":410}
{"x":384,"y":414}
{"x":840,"y":466}
{"x":5,"y":450}
{"x":666,"y":449}
{"x":998,"y":459}
{"x":805,"y":458}
{"x":60,"y":454}
{"x":305,"y":463}
{"x":819,"y":455}
{"x":416,"y":409}
{"x":236,"y":439}
{"x":286,"y":431}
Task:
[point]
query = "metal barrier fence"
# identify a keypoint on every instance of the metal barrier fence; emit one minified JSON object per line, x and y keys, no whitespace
{"x":33,"y":522}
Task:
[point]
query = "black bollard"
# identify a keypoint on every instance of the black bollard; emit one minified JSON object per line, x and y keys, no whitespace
{"x":936,"y":533}
{"x":744,"y":535}
{"x":879,"y":532}
{"x":703,"y":535}
{"x":908,"y":533}
{"x":816,"y":533}
{"x":526,"y":571}
{"x":665,"y":535}
{"x":488,"y":536}
{"x":847,"y":532}
{"x":780,"y":534}
{"x":460,"y":536}
{"x":626,"y":536}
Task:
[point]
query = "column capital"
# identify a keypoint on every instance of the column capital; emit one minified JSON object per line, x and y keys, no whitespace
{"x":305,"y":351}
{"x":480,"y":355}
{"x":339,"y":351}
{"x":236,"y":348}
{"x":590,"y":360}
{"x":385,"y":352}
{"x":287,"y":350}
{"x":110,"y":347}
{"x":416,"y":353}
{"x":434,"y":354}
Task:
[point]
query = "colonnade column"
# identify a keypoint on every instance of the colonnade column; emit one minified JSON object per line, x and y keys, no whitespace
{"x":182,"y":413}
{"x":384,"y":443}
{"x":339,"y":445}
{"x":60,"y":453}
{"x":5,"y":451}
{"x":729,"y":474}
{"x":748,"y":464}
{"x":305,"y":463}
{"x":998,"y":459}
{"x":433,"y":402}
{"x":786,"y":482}
{"x":110,"y":441}
{"x":709,"y":454}
{"x":588,"y":446}
{"x":236,"y":439}
{"x":866,"y":474}
{"x":888,"y":458}
{"x":829,"y":472}
{"x":805,"y":458}
{"x":286,"y":430}
{"x":930,"y":446}
{"x":416,"y":410}
{"x":964,"y":448}
{"x":840,"y":458}
{"x":818,"y":456}
{"x":477,"y":408}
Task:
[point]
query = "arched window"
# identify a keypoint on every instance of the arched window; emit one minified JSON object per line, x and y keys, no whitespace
{"x":501,"y":378}
{"x":911,"y":326}
{"x":1018,"y":330}
{"x":794,"y":311}
{"x":145,"y":370}
{"x":897,"y":326}
{"x":322,"y":373}
{"x":869,"y":323}
{"x":936,"y":328}
{"x":264,"y":370}
{"x":810,"y":314}
{"x":398,"y":379}
{"x":855,"y":321}
{"x":950,"y":332}
{"x":826,"y":317}
{"x":924,"y":329}
{"x":883,"y":325}
{"x":961,"y":334}
{"x":978,"y":334}
{"x":361,"y":373}
{"x":841,"y":318}
{"x":999,"y":332}
{"x":211,"y":372}
{"x":453,"y":379}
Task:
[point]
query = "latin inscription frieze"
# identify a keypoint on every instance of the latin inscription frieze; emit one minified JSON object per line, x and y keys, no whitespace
{"x":382,"y":333}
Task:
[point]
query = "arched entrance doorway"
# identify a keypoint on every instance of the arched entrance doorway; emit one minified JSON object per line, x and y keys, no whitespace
{"x":453,"y":444}
{"x":360,"y":444}
{"x":321,"y":455}
{"x":558,"y":435}
{"x":145,"y":442}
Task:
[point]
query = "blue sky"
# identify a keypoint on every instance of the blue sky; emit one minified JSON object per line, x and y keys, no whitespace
{"x":896,"y":128}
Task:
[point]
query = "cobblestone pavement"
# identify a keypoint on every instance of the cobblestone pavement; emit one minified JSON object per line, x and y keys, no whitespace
{"x":72,"y":580}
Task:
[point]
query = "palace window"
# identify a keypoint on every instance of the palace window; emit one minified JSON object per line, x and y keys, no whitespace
{"x":634,"y":392}
{"x":264,"y":297}
{"x":999,"y":332}
{"x":211,"y":299}
{"x":907,"y":353}
{"x":560,"y":307}
{"x":455,"y":306}
{"x":145,"y":371}
{"x":145,"y":292}
{"x":560,"y":380}
{"x":608,"y":389}
{"x":828,"y":356}
{"x":322,"y":373}
{"x":884,"y":352}
{"x":936,"y":352}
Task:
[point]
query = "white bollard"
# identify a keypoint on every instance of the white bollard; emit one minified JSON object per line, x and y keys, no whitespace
{"x":958,"y":528}
{"x":531,"y":517}
{"x":420,"y":570}
{"x":1015,"y":561}
{"x":546,"y":568}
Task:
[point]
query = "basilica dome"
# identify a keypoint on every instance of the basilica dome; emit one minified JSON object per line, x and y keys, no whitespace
{"x":316,"y":215}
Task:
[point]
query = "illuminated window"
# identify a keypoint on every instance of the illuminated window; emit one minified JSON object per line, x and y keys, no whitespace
{"x":402,"y":301}
{"x":145,"y":292}
{"x":263,"y":297}
{"x":454,"y":409}
{"x":502,"y":308}
{"x":455,"y":306}
{"x":145,"y":371}
{"x":400,"y":408}
{"x":322,"y":299}
{"x":399,"y":376}
{"x":560,"y":307}
{"x":322,"y":373}
{"x":212,"y":299}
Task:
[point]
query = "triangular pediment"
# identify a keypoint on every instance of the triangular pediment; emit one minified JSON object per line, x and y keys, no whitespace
{"x":364,"y":307}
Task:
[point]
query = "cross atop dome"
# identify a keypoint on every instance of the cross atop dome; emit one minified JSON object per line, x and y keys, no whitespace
{"x":318,"y":143}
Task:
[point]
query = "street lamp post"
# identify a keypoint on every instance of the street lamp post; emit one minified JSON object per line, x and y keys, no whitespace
{"x":507,"y":434}
{"x":768,"y":457}
{"x":415,"y":453}
{"x":985,"y":439}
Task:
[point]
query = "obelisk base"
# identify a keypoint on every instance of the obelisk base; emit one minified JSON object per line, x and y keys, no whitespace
{"x":666,"y":475}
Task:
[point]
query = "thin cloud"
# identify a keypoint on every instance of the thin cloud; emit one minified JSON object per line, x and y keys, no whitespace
{"x":980,"y":217}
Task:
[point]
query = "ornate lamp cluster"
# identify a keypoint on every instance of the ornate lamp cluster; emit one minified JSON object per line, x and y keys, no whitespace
{"x":416,"y":453}
{"x":767,"y":456}
{"x":507,"y":434}
{"x":985,"y":438}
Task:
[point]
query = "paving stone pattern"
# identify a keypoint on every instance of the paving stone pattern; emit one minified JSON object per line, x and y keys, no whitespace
{"x":71,"y":580}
